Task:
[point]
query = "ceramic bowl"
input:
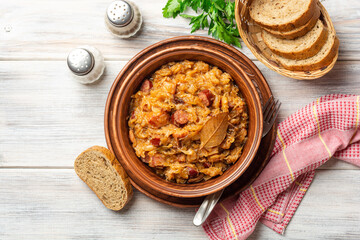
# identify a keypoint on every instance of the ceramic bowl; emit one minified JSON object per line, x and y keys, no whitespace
{"x":128,"y":82}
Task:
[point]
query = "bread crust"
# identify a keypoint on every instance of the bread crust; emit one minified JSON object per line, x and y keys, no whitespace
{"x":109,"y":156}
{"x":321,"y":64}
{"x":302,"y":20}
{"x":297,"y":32}
{"x":303,"y":53}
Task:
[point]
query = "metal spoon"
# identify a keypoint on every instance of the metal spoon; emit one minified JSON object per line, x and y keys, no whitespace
{"x":206,"y":207}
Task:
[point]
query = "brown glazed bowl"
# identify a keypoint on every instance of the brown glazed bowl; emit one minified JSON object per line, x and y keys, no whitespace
{"x":128,"y":82}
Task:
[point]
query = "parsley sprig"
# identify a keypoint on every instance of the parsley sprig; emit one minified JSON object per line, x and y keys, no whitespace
{"x":217,"y":15}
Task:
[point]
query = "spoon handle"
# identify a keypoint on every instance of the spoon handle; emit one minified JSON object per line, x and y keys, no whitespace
{"x":206,"y":207}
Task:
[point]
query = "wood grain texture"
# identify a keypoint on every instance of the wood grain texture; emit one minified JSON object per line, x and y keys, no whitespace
{"x":50,"y":29}
{"x":47,"y":119}
{"x":327,"y":210}
{"x":56,"y":204}
{"x":52,"y":118}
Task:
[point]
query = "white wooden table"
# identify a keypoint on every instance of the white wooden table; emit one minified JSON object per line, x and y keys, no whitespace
{"x":47,"y":119}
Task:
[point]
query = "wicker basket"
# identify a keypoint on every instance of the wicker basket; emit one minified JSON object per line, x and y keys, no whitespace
{"x":250,"y":33}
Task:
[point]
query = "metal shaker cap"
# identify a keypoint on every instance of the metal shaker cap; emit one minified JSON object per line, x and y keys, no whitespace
{"x":80,"y":61}
{"x":120,"y":13}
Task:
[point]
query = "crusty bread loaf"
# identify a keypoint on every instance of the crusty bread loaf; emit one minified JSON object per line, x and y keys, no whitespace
{"x":322,"y":59}
{"x":299,"y":31}
{"x":282,"y":15}
{"x":100,"y":170}
{"x":299,"y":48}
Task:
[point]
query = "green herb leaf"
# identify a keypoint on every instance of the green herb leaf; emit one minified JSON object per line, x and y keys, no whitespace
{"x":186,"y":16}
{"x":230,"y":11}
{"x":219,"y":4}
{"x":172,"y":8}
{"x":206,"y":5}
{"x":217,"y":15}
{"x":196,"y":23}
{"x":195,"y":4}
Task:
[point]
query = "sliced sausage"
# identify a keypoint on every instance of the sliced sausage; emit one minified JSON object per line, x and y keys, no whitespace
{"x":159,"y":120}
{"x":207,"y":97}
{"x":157,"y":160}
{"x":155,"y":142}
{"x":192,"y":172}
{"x":179,"y":118}
{"x":146,"y":86}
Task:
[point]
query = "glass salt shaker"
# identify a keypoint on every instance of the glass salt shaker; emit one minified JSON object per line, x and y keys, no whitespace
{"x":123,"y":18}
{"x":86,"y":64}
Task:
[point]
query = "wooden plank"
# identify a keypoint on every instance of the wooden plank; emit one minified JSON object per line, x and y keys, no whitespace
{"x":295,"y":94}
{"x":43,"y":112}
{"x":329,"y":209}
{"x":49,"y":30}
{"x":56,"y":204}
{"x":47,"y":119}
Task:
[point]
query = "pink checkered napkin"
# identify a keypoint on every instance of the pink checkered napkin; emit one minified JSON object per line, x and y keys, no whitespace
{"x":305,"y":140}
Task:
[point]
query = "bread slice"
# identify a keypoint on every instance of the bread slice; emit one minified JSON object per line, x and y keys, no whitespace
{"x":299,"y":48}
{"x":100,"y":170}
{"x":322,"y":59}
{"x":282,"y":15}
{"x":297,"y":32}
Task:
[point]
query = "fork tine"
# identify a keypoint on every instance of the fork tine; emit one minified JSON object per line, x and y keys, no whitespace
{"x":267,"y":103}
{"x":268,"y":108}
{"x":275,"y":115}
{"x":269,"y":116}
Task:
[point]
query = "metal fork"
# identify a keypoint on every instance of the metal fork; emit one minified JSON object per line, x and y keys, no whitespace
{"x":270,"y":112}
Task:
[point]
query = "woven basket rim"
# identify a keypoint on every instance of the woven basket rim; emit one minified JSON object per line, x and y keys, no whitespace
{"x":300,"y":75}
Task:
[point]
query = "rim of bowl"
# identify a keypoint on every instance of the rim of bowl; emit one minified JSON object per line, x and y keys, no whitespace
{"x":161,"y":185}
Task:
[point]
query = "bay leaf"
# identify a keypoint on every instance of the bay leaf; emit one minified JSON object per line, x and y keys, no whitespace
{"x":214,"y":131}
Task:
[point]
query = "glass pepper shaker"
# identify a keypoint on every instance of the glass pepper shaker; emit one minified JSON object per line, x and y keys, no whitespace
{"x":123,"y":18}
{"x":86,"y":64}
